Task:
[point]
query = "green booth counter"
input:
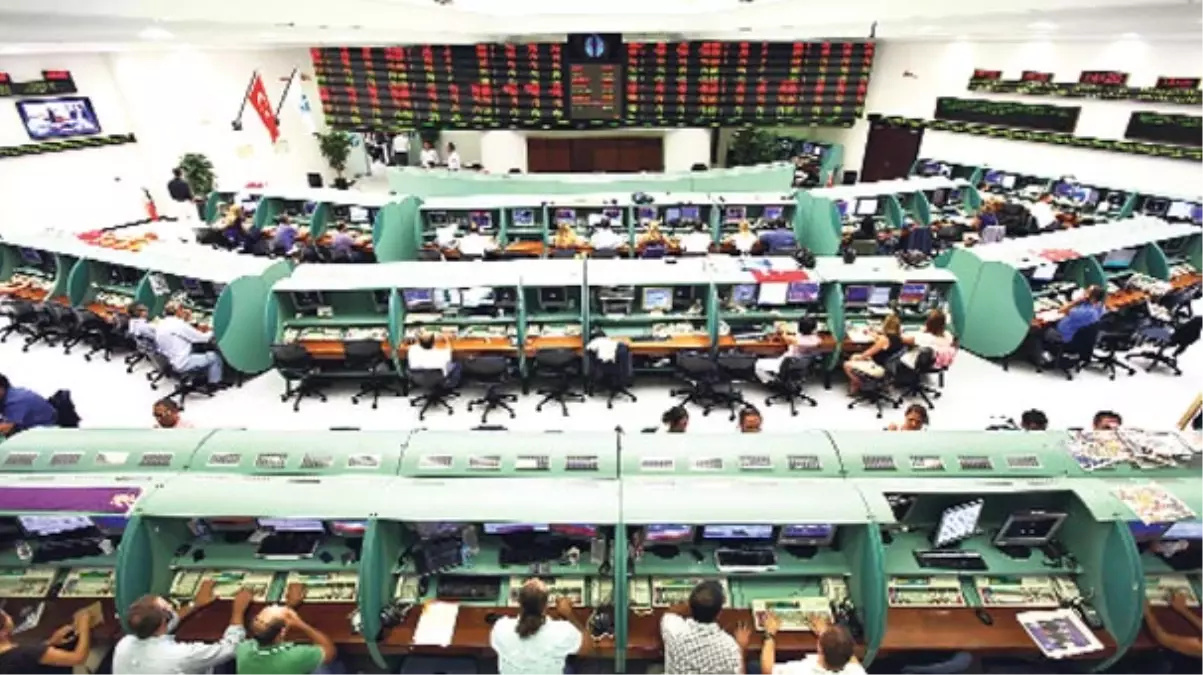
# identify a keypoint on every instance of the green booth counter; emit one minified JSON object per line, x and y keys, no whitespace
{"x":758,"y":209}
{"x":301,"y":453}
{"x":526,"y":454}
{"x":1007,"y":285}
{"x":56,"y":450}
{"x":244,"y":196}
{"x":37,"y":264}
{"x":385,"y":218}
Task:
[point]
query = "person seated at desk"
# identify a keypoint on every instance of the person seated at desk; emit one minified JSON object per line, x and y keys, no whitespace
{"x":1106,"y":420}
{"x":1080,"y":313}
{"x":872,"y":361}
{"x":914,"y":419}
{"x":474,"y":244}
{"x":565,"y":237}
{"x":342,"y":244}
{"x":836,"y":651}
{"x":1186,"y":645}
{"x":423,"y":355}
{"x":693,"y":640}
{"x":652,"y":237}
{"x":36,"y":658}
{"x":1033,"y":420}
{"x":744,"y":240}
{"x":697,"y":241}
{"x":936,"y":337}
{"x":778,"y":238}
{"x":231,"y":230}
{"x":798,"y":343}
{"x":267,"y":652}
{"x":175,"y":338}
{"x":151,"y":646}
{"x":22,"y":409}
{"x":987,"y":216}
{"x":532,"y":644}
{"x":1043,"y":213}
{"x":604,"y":237}
{"x":284,"y":238}
{"x":139,"y":322}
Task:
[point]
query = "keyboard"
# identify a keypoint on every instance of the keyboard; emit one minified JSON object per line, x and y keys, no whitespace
{"x":1159,"y":588}
{"x":950,"y":560}
{"x":573,"y":588}
{"x":792,"y":613}
{"x":745,"y":559}
{"x":326,"y":586}
{"x":469,"y":588}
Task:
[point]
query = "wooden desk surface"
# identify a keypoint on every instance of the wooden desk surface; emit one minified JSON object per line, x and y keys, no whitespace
{"x":924,"y":629}
{"x":1171,"y":621}
{"x":61,"y":612}
{"x":644,"y":642}
{"x":471,"y":633}
{"x":475,"y":345}
{"x":1114,"y":302}
{"x":331,"y":618}
{"x":1186,"y":281}
{"x":331,"y":349}
{"x":26,"y":293}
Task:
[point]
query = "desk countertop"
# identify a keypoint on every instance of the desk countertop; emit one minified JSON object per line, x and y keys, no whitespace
{"x":1171,"y":621}
{"x":909,"y":629}
{"x":61,"y":612}
{"x":471,"y":632}
{"x":332,"y":618}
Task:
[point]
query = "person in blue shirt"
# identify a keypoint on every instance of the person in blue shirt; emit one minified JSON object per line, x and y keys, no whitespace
{"x":1081,"y":313}
{"x":22,"y":409}
{"x":342,"y":244}
{"x":780,"y":237}
{"x":285,"y":237}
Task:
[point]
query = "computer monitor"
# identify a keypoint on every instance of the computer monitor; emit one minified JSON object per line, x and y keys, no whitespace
{"x":1178,"y":211}
{"x":954,"y":197}
{"x":1185,"y":530}
{"x":1156,"y":207}
{"x":743,"y":294}
{"x":291,"y":524}
{"x":879,"y":296}
{"x":381,"y":297}
{"x":957,"y":523}
{"x":1196,"y":214}
{"x":737,"y":532}
{"x":856,"y":295}
{"x":612,"y":212}
{"x":656,"y":298}
{"x":1044,"y":273}
{"x":308,"y":208}
{"x":939,"y":197}
{"x":806,"y":535}
{"x":110,"y":525}
{"x":307,"y":300}
{"x":773,"y":212}
{"x":418,"y":297}
{"x":348,"y":528}
{"x":1063,"y":189}
{"x":802,"y":293}
{"x":645,"y":213}
{"x":735,"y":214}
{"x":564,"y":216}
{"x":772,"y":294}
{"x":992,"y":177}
{"x":808,"y":148}
{"x":842,"y":207}
{"x":575,"y":531}
{"x":667,"y":534}
{"x":524,"y":217}
{"x":672,"y":214}
{"x":1029,"y":528}
{"x":30,"y":256}
{"x":514,"y":528}
{"x":1145,"y":532}
{"x":1116,"y":198}
{"x":1008,"y":181}
{"x":434,"y":530}
{"x":193,"y":287}
{"x":1120,"y":259}
{"x":552,"y":298}
{"x":45,"y":526}
{"x":691,"y":212}
{"x":912,"y":294}
{"x":358,"y":214}
{"x":436,"y":217}
{"x":1086,"y":196}
{"x":866,"y":206}
{"x":483,"y":220}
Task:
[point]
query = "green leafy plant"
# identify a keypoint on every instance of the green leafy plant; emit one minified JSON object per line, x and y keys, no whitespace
{"x":752,"y":146}
{"x":198,"y":173}
{"x":335,"y":146}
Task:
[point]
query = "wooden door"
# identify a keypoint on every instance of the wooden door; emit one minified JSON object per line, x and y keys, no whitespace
{"x":607,"y":154}
{"x":890,"y":152}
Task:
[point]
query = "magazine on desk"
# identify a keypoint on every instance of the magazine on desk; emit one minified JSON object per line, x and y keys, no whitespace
{"x":1059,"y":633}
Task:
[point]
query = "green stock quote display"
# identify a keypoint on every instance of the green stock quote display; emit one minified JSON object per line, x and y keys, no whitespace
{"x":1061,"y":119}
{"x":538,"y":86}
{"x":1164,"y":128}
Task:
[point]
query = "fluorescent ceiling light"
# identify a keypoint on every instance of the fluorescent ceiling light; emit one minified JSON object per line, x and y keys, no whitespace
{"x":155,"y":33}
{"x":1042,"y":25}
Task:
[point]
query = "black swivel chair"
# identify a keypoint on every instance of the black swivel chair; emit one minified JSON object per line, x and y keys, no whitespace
{"x":700,"y":373}
{"x":186,"y":381}
{"x":912,"y":380}
{"x":920,"y":239}
{"x":1161,"y":340}
{"x":1115,"y":336}
{"x":733,"y":368}
{"x":429,"y":254}
{"x":367,"y":361}
{"x":877,"y":390}
{"x":296,"y":366}
{"x":54,"y":323}
{"x":615,"y":377}
{"x":101,"y":335}
{"x":22,"y":319}
{"x":789,"y":382}
{"x":493,"y":372}
{"x":563,"y":253}
{"x":1071,"y":357}
{"x":563,"y":365}
{"x":601,"y":253}
{"x":144,"y":346}
{"x":438,"y":390}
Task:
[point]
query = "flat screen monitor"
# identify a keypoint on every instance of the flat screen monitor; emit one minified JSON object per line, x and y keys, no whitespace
{"x":483,"y":220}
{"x":45,"y":526}
{"x":291,"y":524}
{"x":1045,"y":273}
{"x":1116,"y":199}
{"x":1119,"y":260}
{"x":667,"y":534}
{"x":806,"y":535}
{"x":524,"y":217}
{"x":735,"y":214}
{"x":514,"y":528}
{"x":774,"y":212}
{"x":743,"y":294}
{"x":348,"y":528}
{"x":672,"y":214}
{"x":808,"y":148}
{"x":306,"y":300}
{"x":657,"y":299}
{"x":358,"y":214}
{"x":866,"y":206}
{"x":552,"y":298}
{"x":992,"y":177}
{"x":957,"y":523}
{"x":1196,"y":214}
{"x":436,"y":217}
{"x":381,"y":298}
{"x":737,"y":532}
{"x":1179,"y":211}
{"x":645,"y":213}
{"x":565,"y":216}
{"x":939,"y":198}
{"x":612,"y":212}
{"x":575,"y":531}
{"x":879,"y":296}
{"x":842,"y":207}
{"x":66,"y":117}
{"x":1156,"y":207}
{"x":772,"y":294}
{"x":1008,"y":181}
{"x":418,"y":297}
{"x":31,"y":257}
{"x":1086,"y":196}
{"x":110,"y":524}
{"x":954,"y":197}
{"x":432,"y":530}
{"x":1029,"y":528}
{"x":192,"y":287}
{"x":1185,"y":530}
{"x":802,"y":293}
{"x":912,"y":294}
{"x":856,"y":295}
{"x":1146,"y":532}
{"x":691,"y":213}
{"x":1064,"y":190}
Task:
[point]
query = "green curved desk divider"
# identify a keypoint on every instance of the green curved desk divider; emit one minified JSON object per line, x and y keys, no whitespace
{"x":10,"y":262}
{"x":397,"y":234}
{"x":1195,"y":248}
{"x":1151,"y":260}
{"x":144,"y":294}
{"x":1129,"y":206}
{"x":134,"y":565}
{"x":971,"y":199}
{"x":237,"y":320}
{"x":319,"y":222}
{"x":271,"y":320}
{"x":995,"y":323}
{"x":1087,"y":272}
{"x":921,"y":209}
{"x":895,"y":216}
{"x":265,"y":212}
{"x":79,"y":285}
{"x":380,"y":543}
{"x":396,"y":326}
{"x":833,"y":303}
{"x":822,"y":232}
{"x":833,"y":161}
{"x":867,"y":585}
{"x":975,"y":178}
{"x":214,"y":200}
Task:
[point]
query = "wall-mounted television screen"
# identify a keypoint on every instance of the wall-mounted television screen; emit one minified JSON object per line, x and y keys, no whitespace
{"x":49,"y":118}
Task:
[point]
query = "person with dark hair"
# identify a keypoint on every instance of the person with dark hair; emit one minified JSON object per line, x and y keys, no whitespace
{"x":533,"y":644}
{"x":182,"y":199}
{"x":453,"y":160}
{"x":139,"y":322}
{"x":151,"y":647}
{"x":798,"y":343}
{"x":38,"y":658}
{"x":167,"y":415}
{"x":267,"y":652}
{"x":1107,"y":420}
{"x":778,"y":238}
{"x":1081,"y":313}
{"x":693,"y":640}
{"x":836,"y":650}
{"x":750,"y":420}
{"x":914,"y":419}
{"x":22,"y":409}
{"x":675,"y":419}
{"x":1033,"y":420}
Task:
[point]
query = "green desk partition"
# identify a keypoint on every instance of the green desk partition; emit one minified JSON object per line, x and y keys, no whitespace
{"x":36,"y":257}
{"x":300,"y":453}
{"x":831,"y":164}
{"x":50,"y":450}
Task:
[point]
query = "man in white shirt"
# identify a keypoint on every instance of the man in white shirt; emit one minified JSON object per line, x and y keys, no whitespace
{"x":453,"y":162}
{"x":400,"y":150}
{"x":151,"y":646}
{"x":1043,"y":213}
{"x":532,"y":643}
{"x":698,"y":241}
{"x":423,"y":355}
{"x":174,"y":338}
{"x":604,"y":348}
{"x":604,"y":237}
{"x":429,"y":157}
{"x":694,"y":643}
{"x":139,"y":324}
{"x":835,"y":655}
{"x":474,"y":244}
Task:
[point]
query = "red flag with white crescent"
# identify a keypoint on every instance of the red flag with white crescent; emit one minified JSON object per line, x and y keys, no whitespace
{"x":263,"y":105}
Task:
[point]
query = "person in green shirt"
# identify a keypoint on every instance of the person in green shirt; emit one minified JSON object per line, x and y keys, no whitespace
{"x":268,"y":653}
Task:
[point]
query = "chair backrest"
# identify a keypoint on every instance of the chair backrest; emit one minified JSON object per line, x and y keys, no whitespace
{"x":1187,"y":334}
{"x":605,"y":253}
{"x":795,"y":368}
{"x":782,"y":251}
{"x":920,"y":239}
{"x":563,"y":253}
{"x":555,"y":358}
{"x":1083,"y":343}
{"x":653,"y":251}
{"x":363,"y":351}
{"x":696,"y":363}
{"x":290,"y":356}
{"x":486,"y":366}
{"x":925,"y":360}
{"x":737,"y":362}
{"x":161,"y":363}
{"x":427,"y":378}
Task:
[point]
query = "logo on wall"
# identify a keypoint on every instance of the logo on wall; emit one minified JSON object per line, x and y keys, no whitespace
{"x":595,"y":47}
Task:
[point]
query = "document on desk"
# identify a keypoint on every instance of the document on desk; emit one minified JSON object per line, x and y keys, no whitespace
{"x":436,"y":626}
{"x":1059,"y":634}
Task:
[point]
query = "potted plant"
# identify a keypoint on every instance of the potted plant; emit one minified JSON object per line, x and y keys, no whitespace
{"x":751,"y":146}
{"x":198,"y":173}
{"x":335,"y":146}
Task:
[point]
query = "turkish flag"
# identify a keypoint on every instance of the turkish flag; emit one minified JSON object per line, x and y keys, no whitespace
{"x":263,"y":105}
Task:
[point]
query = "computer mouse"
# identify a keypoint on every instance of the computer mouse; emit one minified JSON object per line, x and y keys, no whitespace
{"x":984,"y":617}
{"x":492,"y":617}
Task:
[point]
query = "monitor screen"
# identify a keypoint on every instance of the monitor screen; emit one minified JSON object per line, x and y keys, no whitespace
{"x":110,"y":524}
{"x":645,"y":213}
{"x":1156,"y":206}
{"x":1185,"y":529}
{"x":514,"y":528}
{"x":806,"y":535}
{"x":879,"y":296}
{"x":428,"y":530}
{"x":1029,"y":528}
{"x":737,"y":532}
{"x":866,"y":207}
{"x":802,"y":292}
{"x":1144,"y":532}
{"x":304,"y":300}
{"x":1044,"y":272}
{"x":31,"y":256}
{"x":1008,"y":181}
{"x":939,"y":198}
{"x":44,"y":526}
{"x":192,"y":287}
{"x":565,"y":216}
{"x":1196,"y":214}
{"x":552,"y":297}
{"x":773,"y":294}
{"x":437,"y":217}
{"x":808,"y":148}
{"x":735,"y":214}
{"x":1119,"y":260}
{"x":291,"y":524}
{"x":612,"y":212}
{"x":1087,"y":196}
{"x":958,"y":523}
{"x":1064,"y":189}
{"x":524,"y":217}
{"x":954,"y":197}
{"x":842,"y":207}
{"x":348,"y":528}
{"x":691,"y":213}
{"x":575,"y":531}
{"x":774,"y":212}
{"x":672,"y":214}
{"x":358,"y":214}
{"x":992,"y":177}
{"x":657,"y":298}
{"x":912,"y":294}
{"x":1179,"y":211}
{"x":58,"y":117}
{"x":743,"y":294}
{"x":667,"y":534}
{"x":418,"y":297}
{"x":483,"y":220}
{"x":856,"y":295}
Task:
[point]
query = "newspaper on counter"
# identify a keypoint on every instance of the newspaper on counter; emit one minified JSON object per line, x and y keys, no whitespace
{"x":1153,"y":504}
{"x":1059,"y":633}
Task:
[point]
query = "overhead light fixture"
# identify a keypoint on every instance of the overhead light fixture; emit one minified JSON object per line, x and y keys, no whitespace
{"x":1042,"y":25}
{"x":156,"y":33}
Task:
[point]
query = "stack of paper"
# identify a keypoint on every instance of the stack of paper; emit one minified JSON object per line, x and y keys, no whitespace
{"x":436,"y":626}
{"x":1059,"y":633}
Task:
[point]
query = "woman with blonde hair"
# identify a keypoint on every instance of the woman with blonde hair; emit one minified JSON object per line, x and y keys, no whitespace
{"x":653,"y":236}
{"x":565,"y":237}
{"x":743,"y":240}
{"x":871,"y":362}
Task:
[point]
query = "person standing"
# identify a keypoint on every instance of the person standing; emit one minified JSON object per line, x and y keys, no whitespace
{"x":531,"y":644}
{"x":183,"y":202}
{"x":400,"y":150}
{"x":429,"y":157}
{"x":453,"y":161}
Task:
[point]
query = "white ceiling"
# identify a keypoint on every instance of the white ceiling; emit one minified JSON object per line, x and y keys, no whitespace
{"x":92,"y":25}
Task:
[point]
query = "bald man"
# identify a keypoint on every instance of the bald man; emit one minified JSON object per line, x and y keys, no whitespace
{"x":268,"y":652}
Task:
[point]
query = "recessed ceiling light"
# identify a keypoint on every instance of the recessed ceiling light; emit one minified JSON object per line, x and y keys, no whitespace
{"x":1042,"y":25}
{"x":155,"y":33}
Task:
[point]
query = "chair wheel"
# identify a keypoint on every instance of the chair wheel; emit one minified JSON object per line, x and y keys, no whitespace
{"x":814,"y":403}
{"x":609,"y":405}
{"x":512,"y":415}
{"x":852,"y":405}
{"x":355,"y":400}
{"x":794,"y":413}
{"x":375,"y":406}
{"x":878,"y":414}
{"x":450,"y":412}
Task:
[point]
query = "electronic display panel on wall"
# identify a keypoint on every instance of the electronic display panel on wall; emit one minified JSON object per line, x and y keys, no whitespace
{"x":52,"y":118}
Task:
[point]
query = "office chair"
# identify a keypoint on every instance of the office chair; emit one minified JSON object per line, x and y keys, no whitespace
{"x":788,"y":384}
{"x":1070,"y":357}
{"x":296,"y":365}
{"x":438,"y":390}
{"x":54,"y":322}
{"x":912,"y":379}
{"x":615,"y":377}
{"x":22,"y":318}
{"x":451,"y":665}
{"x":1161,"y":340}
{"x":920,"y":239}
{"x":367,"y":361}
{"x":493,"y":372}
{"x":876,"y":390}
{"x":143,"y":348}
{"x":653,"y":252}
{"x":186,"y":381}
{"x":1178,"y":304}
{"x":602,"y":253}
{"x":563,"y":365}
{"x":700,"y":373}
{"x":87,"y":325}
{"x":101,"y":335}
{"x":734,"y":367}
{"x":1114,"y":337}
{"x":563,"y":253}
{"x":782,"y":252}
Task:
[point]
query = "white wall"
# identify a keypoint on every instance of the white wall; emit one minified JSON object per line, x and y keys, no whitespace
{"x":499,"y":151}
{"x":909,"y":76}
{"x":502,"y":150}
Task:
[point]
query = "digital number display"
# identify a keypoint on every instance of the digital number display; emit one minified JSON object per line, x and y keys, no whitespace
{"x":528,"y":83}
{"x":1103,"y":78}
{"x":1008,"y":114}
{"x":53,"y":83}
{"x":1036,"y":76}
{"x":1163,"y":128}
{"x":1178,"y":83}
{"x":596,"y":90}
{"x":980,"y":74}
